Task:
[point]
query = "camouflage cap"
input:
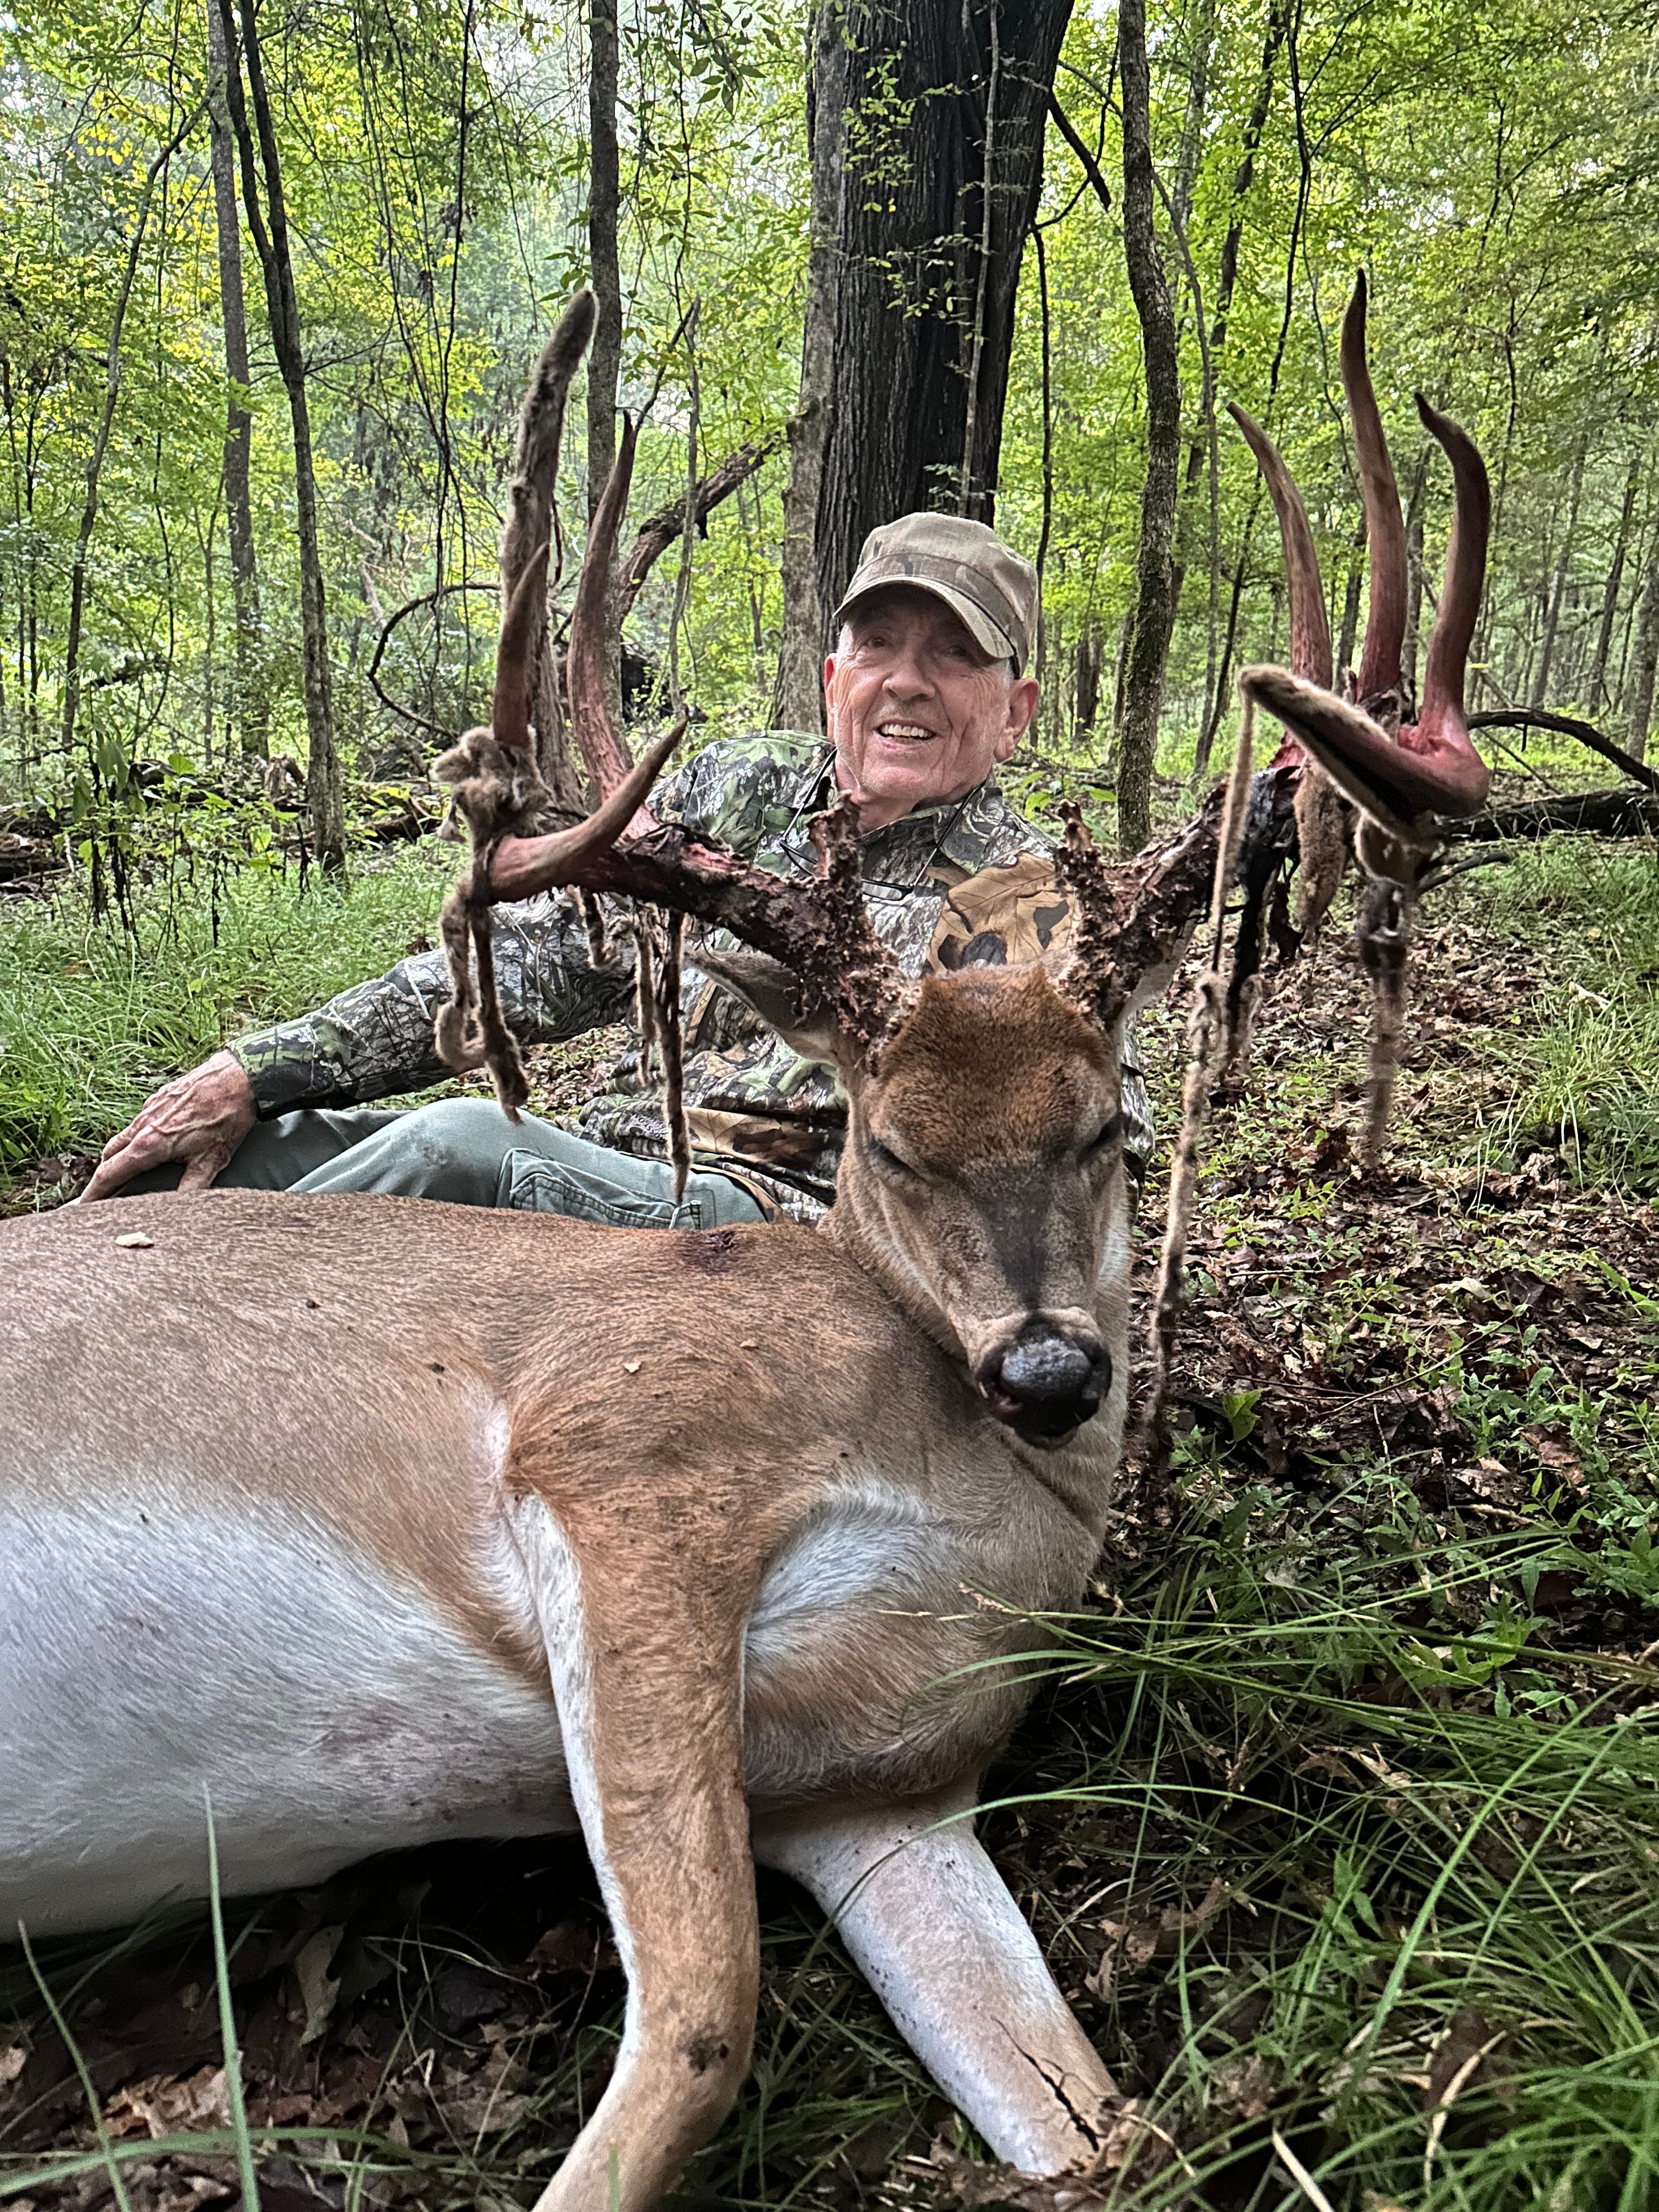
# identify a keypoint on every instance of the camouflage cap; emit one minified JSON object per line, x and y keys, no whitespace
{"x":964,"y":563}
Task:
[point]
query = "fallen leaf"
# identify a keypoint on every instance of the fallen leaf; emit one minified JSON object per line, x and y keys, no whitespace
{"x":13,"y":2059}
{"x":318,"y":1989}
{"x":160,"y":2106}
{"x":134,"y":1240}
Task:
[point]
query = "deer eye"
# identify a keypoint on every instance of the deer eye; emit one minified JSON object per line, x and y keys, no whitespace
{"x":888,"y":1160}
{"x":1104,"y":1138}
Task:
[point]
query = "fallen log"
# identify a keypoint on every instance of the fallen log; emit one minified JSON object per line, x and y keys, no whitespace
{"x":1567,"y":725}
{"x":1623,"y":811}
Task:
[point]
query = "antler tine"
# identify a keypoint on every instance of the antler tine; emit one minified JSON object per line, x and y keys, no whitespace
{"x":1311,"y":629}
{"x":1442,"y":734}
{"x":509,"y":708}
{"x":601,"y":748}
{"x":1385,"y":526}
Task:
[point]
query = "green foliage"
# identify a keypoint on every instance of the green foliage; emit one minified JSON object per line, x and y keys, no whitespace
{"x":92,"y":1018}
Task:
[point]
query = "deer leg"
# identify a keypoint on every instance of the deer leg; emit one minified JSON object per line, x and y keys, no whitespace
{"x":930,"y":1923}
{"x":649,"y":1707}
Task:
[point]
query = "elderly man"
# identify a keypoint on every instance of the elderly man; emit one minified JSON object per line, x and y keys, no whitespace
{"x":926,"y":694}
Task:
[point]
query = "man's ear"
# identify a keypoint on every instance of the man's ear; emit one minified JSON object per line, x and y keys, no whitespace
{"x":1022,"y":708}
{"x":769,"y":989}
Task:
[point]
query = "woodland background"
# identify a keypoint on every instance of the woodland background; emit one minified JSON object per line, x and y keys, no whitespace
{"x":1493,"y":170}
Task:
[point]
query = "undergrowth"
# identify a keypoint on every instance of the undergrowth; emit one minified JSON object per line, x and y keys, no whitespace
{"x":93,"y":1018}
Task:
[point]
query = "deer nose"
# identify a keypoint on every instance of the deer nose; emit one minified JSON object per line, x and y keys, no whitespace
{"x":1047,"y":1382}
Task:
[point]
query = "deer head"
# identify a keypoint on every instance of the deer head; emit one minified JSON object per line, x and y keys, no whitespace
{"x":982,"y":1179}
{"x":1402,"y":776}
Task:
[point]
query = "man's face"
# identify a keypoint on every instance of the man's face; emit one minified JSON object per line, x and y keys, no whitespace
{"x":918,"y":713}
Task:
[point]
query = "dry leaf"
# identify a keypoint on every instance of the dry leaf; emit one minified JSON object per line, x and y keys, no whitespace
{"x":135,"y":1240}
{"x":317,"y":1989}
{"x":13,"y":2059}
{"x":160,"y":2106}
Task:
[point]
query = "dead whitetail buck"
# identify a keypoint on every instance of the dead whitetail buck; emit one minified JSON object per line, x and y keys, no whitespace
{"x":383,"y":1522}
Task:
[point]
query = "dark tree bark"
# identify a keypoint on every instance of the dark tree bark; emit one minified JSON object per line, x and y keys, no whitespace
{"x":101,"y":441}
{"x":1086,"y":683}
{"x":928,"y":262}
{"x":1155,"y":577}
{"x":1645,"y":661}
{"x":1540,"y":686}
{"x":1351,"y":589}
{"x":1598,"y":678}
{"x":250,"y":706}
{"x":1414,"y":571}
{"x":324,"y":801}
{"x":604,"y":355}
{"x":798,"y":698}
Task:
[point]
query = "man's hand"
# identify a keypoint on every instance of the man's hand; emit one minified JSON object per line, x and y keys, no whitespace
{"x":199,"y":1118}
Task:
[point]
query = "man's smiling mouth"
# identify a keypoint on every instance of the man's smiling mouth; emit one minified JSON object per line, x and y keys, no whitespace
{"x":905,"y":733}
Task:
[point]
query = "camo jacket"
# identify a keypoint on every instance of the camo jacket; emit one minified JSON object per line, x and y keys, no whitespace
{"x":755,"y":1110}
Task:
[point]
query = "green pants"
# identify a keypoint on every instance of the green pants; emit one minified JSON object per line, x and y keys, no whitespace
{"x":466,"y":1150}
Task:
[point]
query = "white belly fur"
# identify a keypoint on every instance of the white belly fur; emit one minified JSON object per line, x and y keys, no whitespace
{"x":329,"y":1711}
{"x":148,"y":1655}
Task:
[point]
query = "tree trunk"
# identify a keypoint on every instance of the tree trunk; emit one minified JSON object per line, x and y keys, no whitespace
{"x":603,"y":197}
{"x":1086,"y":683}
{"x":1558,"y":583}
{"x":1351,"y":591}
{"x":324,"y":801}
{"x":1597,"y":686}
{"x":798,"y":696}
{"x":250,"y":708}
{"x":1645,"y":660}
{"x":927,"y":273}
{"x":100,"y":440}
{"x":1155,"y":593}
{"x":1414,"y":573}
{"x":604,"y":355}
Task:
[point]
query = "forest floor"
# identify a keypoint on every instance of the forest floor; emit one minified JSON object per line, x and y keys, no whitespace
{"x":1337,"y":1813}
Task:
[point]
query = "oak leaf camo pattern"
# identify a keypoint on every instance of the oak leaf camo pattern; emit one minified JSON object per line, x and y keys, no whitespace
{"x":953,"y":885}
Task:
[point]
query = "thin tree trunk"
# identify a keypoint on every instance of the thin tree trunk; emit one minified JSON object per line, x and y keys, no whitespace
{"x":797,"y":695}
{"x":605,"y":356}
{"x":1243,"y":177}
{"x":1154,"y":614}
{"x":1086,"y":683}
{"x":1413,"y":572}
{"x":1645,"y":660}
{"x":250,"y":706}
{"x":1597,"y":685}
{"x":100,"y":440}
{"x":1558,"y":583}
{"x":1351,"y":590}
{"x":1192,"y":123}
{"x":325,"y":800}
{"x":911,"y":321}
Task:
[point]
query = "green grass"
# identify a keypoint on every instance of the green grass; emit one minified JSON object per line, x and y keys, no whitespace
{"x":1586,"y":1079}
{"x":92,"y":1017}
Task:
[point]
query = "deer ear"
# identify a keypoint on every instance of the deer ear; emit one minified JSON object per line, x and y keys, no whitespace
{"x":773,"y":991}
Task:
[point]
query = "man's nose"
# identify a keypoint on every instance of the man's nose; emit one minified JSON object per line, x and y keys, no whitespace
{"x":908,"y":677}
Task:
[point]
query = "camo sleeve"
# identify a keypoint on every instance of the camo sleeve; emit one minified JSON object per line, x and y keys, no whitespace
{"x":375,"y":1039}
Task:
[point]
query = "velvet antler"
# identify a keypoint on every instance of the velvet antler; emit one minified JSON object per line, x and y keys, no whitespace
{"x":1402,"y":777}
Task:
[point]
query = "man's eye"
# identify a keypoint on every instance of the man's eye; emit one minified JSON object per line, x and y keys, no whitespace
{"x":888,"y":1160}
{"x":1103,"y":1141}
